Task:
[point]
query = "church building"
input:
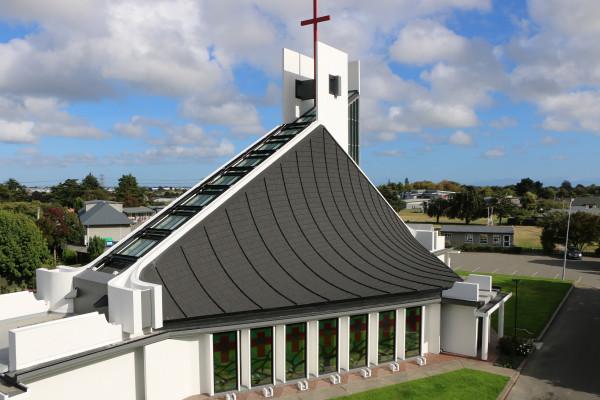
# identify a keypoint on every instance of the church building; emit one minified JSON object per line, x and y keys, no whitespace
{"x":284,"y":266}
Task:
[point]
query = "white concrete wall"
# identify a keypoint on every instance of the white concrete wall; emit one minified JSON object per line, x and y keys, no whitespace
{"x":53,"y":285}
{"x":172,"y":369}
{"x":463,"y":290}
{"x":354,"y":75}
{"x":432,"y":328}
{"x":125,"y":308}
{"x":459,"y":329}
{"x":116,"y":378}
{"x":425,"y":238}
{"x":484,"y":281}
{"x":207,"y":383}
{"x":332,"y":111}
{"x":21,"y":304}
{"x":34,"y":344}
{"x":295,"y":66}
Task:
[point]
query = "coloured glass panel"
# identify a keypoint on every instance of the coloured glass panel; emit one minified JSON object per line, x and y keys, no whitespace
{"x":295,"y":351}
{"x":413,"y":332}
{"x":358,"y":341}
{"x":225,"y":361}
{"x":387,"y":324}
{"x":328,"y":344}
{"x":261,"y":356}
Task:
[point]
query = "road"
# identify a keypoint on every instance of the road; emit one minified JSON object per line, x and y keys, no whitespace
{"x":584,"y":273}
{"x":567,"y":364}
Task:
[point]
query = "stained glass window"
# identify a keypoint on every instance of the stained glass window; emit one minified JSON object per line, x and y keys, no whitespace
{"x":413,"y":332}
{"x":225,"y":361}
{"x":295,"y":351}
{"x":387,"y":323}
{"x":328,"y":345}
{"x":358,"y":341}
{"x":261,"y":356}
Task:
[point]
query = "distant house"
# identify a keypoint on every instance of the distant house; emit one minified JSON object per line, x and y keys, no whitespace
{"x":104,"y":219}
{"x":587,"y":202}
{"x":138,"y":214}
{"x":419,"y":198}
{"x":459,"y":235}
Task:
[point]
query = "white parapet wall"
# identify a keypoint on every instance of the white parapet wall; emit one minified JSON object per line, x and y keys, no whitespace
{"x":484,"y":281}
{"x":459,"y":330}
{"x":463,"y":291}
{"x":54,"y":284}
{"x":21,"y":304}
{"x":34,"y":344}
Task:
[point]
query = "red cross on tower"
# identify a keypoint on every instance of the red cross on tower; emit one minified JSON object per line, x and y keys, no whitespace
{"x":314,"y":21}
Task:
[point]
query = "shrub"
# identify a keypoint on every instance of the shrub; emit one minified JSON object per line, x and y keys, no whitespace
{"x":490,"y":249}
{"x":69,"y":257}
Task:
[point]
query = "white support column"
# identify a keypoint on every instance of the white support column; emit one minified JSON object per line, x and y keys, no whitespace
{"x":400,"y":334}
{"x":485,"y":337}
{"x":373,"y":350}
{"x":501,"y":321}
{"x":245,"y":368}
{"x":312,"y":345}
{"x":207,"y":382}
{"x":279,"y":354}
{"x":344,"y":344}
{"x":424,"y":327}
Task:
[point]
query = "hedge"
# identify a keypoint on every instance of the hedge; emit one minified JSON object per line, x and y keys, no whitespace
{"x":490,"y":249}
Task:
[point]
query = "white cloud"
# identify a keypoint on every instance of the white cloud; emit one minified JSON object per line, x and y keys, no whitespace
{"x":390,"y":153}
{"x":560,"y":157}
{"x":461,"y":139}
{"x":241,"y":116}
{"x":17,"y":132}
{"x":504,"y":122}
{"x":549,"y":140}
{"x":27,"y":119}
{"x":426,"y":41}
{"x":497,"y":152}
{"x":385,"y":137}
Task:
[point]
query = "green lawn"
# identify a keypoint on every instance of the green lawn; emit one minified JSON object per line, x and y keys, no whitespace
{"x":538,"y":298}
{"x":463,"y":384}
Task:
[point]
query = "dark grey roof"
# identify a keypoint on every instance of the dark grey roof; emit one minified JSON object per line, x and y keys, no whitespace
{"x":476,"y":229}
{"x":138,"y":210}
{"x":310,"y":230}
{"x":587,"y":201}
{"x":100,"y":201}
{"x":104,"y":214}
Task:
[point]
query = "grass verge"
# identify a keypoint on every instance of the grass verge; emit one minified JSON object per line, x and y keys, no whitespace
{"x":463,"y":384}
{"x":538,"y":299}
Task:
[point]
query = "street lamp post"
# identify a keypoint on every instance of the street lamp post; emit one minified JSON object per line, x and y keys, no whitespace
{"x":516,"y":281}
{"x":567,"y":241}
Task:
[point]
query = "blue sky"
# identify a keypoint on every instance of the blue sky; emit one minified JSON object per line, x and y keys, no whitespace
{"x":475,"y":91}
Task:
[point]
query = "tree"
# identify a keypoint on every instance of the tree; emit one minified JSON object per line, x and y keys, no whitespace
{"x":468,"y":204}
{"x":547,"y":193}
{"x":584,"y":229}
{"x":503,"y":208}
{"x":526,"y":185}
{"x":22,"y":247}
{"x":96,"y":247}
{"x":12,"y":190}
{"x":391,"y":195}
{"x":92,"y":190}
{"x":66,"y":192}
{"x":129,"y":192}
{"x":77,"y":230}
{"x":54,"y":227}
{"x":437,"y":208}
{"x":528,"y":201}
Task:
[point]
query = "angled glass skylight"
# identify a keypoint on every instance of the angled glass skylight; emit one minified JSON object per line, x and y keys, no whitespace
{"x":138,"y":247}
{"x":226,"y":180}
{"x":184,"y":208}
{"x":200,"y":200}
{"x":171,"y":222}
